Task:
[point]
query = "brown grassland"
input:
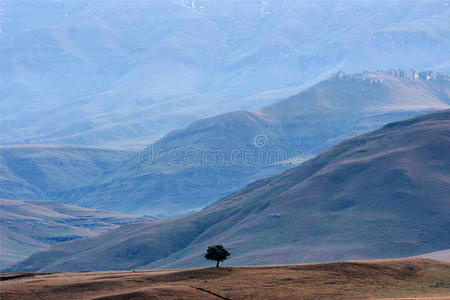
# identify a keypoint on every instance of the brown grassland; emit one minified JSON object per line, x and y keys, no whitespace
{"x":414,"y":278}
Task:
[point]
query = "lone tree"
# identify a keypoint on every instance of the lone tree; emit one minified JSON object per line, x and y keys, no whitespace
{"x":217,"y":253}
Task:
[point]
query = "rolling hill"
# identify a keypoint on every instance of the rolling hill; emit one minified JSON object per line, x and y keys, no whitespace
{"x":29,"y":226}
{"x":40,"y":172}
{"x":195,"y":166}
{"x":379,"y":195}
{"x":139,"y":70}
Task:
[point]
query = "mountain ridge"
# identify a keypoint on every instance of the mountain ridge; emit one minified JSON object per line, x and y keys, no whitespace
{"x":194,"y":166}
{"x":136,"y":75}
{"x":191,"y":167}
{"x":328,"y":208}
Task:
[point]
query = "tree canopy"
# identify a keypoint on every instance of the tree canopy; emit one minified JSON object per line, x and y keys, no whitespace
{"x":217,"y":253}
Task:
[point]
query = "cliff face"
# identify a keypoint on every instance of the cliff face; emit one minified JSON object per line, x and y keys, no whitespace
{"x":376,"y":77}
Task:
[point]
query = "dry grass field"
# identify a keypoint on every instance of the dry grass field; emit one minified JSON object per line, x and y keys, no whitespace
{"x":415,"y":278}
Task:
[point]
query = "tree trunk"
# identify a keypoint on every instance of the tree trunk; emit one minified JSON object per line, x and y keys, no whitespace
{"x":217,"y":265}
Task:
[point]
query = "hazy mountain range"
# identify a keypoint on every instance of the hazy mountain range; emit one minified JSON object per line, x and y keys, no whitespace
{"x":192,"y":167}
{"x":164,"y":107}
{"x":111,"y":73}
{"x":38,"y":172}
{"x":382,"y":194}
{"x":30,"y":226}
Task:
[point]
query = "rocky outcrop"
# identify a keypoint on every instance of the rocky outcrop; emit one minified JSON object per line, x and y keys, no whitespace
{"x":377,"y":76}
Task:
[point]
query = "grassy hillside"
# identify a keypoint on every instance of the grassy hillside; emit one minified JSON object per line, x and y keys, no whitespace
{"x":418,"y":279}
{"x":30,"y":226}
{"x":192,"y":167}
{"x":383,"y":194}
{"x":41,"y":172}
